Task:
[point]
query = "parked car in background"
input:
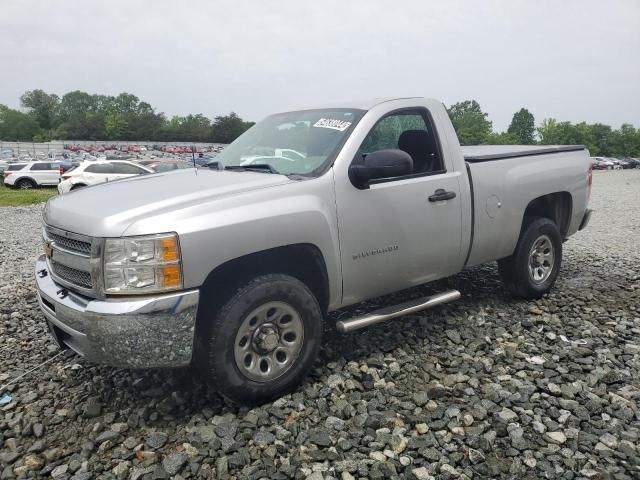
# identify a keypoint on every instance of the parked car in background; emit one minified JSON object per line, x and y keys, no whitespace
{"x":601,"y":163}
{"x":202,"y":160}
{"x":167,"y":166}
{"x":3,"y":166}
{"x":147,"y":161}
{"x":92,"y":173}
{"x":598,"y":164}
{"x":634,"y":162}
{"x":66,"y":165}
{"x":615,"y":163}
{"x":32,"y":174}
{"x":625,"y":164}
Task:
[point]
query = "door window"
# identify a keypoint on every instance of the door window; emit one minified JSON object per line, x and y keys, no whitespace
{"x":102,"y":168}
{"x":410,"y":131}
{"x":41,"y":166}
{"x":125,"y":169}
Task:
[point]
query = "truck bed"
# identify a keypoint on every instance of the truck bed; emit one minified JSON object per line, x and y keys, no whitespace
{"x":505,"y":178}
{"x":486,"y":153}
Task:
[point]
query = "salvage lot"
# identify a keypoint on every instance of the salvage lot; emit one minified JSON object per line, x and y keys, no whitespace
{"x":485,"y":387}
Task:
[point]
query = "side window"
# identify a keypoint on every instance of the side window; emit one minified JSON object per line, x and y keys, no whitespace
{"x":124,"y":169}
{"x":103,"y":168}
{"x":40,"y":166}
{"x":411,"y":132}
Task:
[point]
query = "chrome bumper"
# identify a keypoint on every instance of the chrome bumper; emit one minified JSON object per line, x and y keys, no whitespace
{"x":155,"y":331}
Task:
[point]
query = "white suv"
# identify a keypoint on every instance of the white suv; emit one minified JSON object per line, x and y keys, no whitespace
{"x":32,"y":174}
{"x":92,"y":173}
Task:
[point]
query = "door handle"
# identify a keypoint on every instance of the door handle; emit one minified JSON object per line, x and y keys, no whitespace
{"x":441,"y":194}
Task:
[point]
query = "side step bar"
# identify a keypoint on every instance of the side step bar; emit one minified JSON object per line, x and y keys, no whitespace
{"x":395,"y":311}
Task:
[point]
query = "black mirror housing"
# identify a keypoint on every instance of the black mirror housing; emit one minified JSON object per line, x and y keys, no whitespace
{"x":380,"y":164}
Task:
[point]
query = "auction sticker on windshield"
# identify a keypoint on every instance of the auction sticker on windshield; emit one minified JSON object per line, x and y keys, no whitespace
{"x":333,"y":123}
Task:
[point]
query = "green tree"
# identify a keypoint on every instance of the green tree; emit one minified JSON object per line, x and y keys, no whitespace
{"x":502,"y":138}
{"x":470,"y":122}
{"x":122,"y":104}
{"x":41,"y":106}
{"x":76,"y":103}
{"x":227,"y":128}
{"x":626,"y":141}
{"x":17,"y":126}
{"x":145,"y":126}
{"x":523,"y":126}
{"x":116,"y":126}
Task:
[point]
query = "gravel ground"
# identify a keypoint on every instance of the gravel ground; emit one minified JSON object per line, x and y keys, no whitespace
{"x":484,"y":387}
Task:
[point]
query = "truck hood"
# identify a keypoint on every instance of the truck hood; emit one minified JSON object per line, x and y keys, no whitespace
{"x":106,"y":210}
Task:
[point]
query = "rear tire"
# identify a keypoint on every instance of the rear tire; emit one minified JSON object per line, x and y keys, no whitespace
{"x":263,"y":341}
{"x":26,"y":184}
{"x":534,"y":266}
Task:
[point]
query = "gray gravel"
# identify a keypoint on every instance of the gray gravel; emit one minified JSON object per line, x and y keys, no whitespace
{"x":481,"y":388}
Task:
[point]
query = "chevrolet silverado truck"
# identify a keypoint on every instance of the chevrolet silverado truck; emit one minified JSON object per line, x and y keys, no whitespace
{"x":233,"y":268}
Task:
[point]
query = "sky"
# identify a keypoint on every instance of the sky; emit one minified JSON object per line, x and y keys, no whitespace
{"x":575,"y":60}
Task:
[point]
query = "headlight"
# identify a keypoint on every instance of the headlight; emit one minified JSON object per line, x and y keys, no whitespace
{"x":142,"y":264}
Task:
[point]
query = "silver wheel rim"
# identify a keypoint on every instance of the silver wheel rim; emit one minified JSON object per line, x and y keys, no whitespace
{"x":25,"y":185}
{"x":268,"y":341}
{"x":541,"y":259}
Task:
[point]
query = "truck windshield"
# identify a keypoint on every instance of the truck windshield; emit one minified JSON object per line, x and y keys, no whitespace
{"x":292,"y":143}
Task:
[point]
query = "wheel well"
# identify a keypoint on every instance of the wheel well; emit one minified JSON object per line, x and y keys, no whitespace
{"x":302,"y":261}
{"x":554,"y":206}
{"x":28,"y":179}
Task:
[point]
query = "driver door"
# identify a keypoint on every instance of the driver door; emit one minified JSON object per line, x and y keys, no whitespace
{"x":392,"y":236}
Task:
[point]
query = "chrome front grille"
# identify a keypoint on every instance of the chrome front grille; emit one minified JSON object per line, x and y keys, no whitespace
{"x":70,"y":244}
{"x":70,"y":256}
{"x":72,"y":275}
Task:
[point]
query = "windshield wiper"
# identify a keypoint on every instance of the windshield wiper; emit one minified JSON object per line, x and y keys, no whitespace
{"x":258,"y":167}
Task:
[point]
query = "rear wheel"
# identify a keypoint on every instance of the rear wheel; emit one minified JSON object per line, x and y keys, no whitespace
{"x":534,"y":266}
{"x":25,"y":184}
{"x":262,"y":342}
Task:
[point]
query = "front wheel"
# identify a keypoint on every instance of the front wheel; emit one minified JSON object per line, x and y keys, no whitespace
{"x":25,"y":184}
{"x":534,"y":266}
{"x":262,"y":342}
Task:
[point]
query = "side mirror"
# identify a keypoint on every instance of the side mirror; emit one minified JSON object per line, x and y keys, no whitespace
{"x":380,"y":164}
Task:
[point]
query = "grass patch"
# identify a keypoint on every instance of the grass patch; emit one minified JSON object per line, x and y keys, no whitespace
{"x":10,"y":197}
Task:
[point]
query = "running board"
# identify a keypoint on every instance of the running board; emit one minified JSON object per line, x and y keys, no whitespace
{"x":395,"y":311}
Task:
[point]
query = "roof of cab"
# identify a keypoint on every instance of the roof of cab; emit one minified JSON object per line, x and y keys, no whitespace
{"x":366,"y":104}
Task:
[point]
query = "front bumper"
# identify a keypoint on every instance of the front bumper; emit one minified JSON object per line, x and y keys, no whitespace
{"x":144,"y":332}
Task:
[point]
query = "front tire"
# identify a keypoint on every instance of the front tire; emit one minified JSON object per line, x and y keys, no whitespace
{"x":263,"y":341}
{"x":26,"y":184}
{"x":534,"y":266}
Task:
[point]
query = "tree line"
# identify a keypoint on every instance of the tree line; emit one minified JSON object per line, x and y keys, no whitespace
{"x":474,"y":128}
{"x":82,"y":116}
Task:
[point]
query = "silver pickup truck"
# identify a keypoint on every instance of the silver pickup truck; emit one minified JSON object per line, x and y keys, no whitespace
{"x":233,"y":268}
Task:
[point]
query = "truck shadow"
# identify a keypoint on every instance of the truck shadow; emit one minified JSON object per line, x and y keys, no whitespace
{"x":160,"y":397}
{"x":174,"y":395}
